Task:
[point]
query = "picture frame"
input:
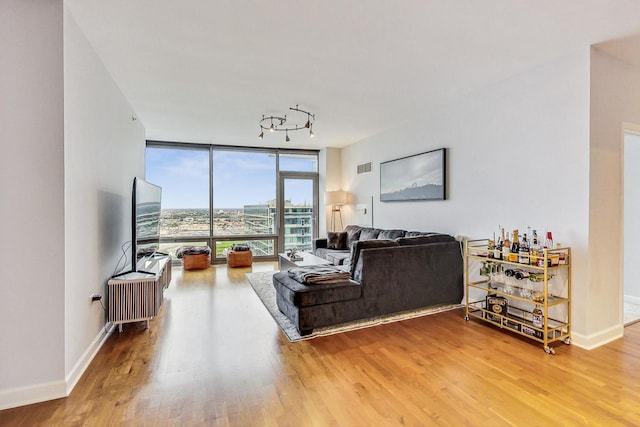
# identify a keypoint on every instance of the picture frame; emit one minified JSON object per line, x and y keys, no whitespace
{"x":418,"y":177}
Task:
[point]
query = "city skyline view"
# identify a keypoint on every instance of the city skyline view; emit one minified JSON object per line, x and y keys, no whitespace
{"x":239,"y":178}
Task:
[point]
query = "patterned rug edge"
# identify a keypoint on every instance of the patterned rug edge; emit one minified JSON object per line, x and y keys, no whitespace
{"x":263,"y":287}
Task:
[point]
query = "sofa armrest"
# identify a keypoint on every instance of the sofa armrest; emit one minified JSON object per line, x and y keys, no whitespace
{"x":319,"y":243}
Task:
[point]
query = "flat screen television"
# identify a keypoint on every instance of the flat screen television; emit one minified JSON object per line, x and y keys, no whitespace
{"x":145,"y":221}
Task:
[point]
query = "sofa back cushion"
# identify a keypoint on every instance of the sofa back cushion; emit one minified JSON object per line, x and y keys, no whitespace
{"x":415,"y":233}
{"x":353,"y":233}
{"x":369,"y":233}
{"x":391,"y":234}
{"x":358,"y":246}
{"x":425,"y":239}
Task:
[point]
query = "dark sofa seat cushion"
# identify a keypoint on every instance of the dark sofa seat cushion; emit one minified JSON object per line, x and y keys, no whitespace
{"x":337,"y":257}
{"x":332,"y":255}
{"x":302,"y":295}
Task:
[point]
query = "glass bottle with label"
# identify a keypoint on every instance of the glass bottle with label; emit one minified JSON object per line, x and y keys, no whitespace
{"x":523,"y":251}
{"x":538,"y":317}
{"x":506,"y":247}
{"x":515,"y":247}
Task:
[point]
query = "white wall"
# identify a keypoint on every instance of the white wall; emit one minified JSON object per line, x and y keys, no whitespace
{"x":615,"y":100}
{"x":104,"y":150}
{"x":31,"y":202}
{"x":518,"y":156}
{"x":69,"y":154}
{"x":631,"y":230}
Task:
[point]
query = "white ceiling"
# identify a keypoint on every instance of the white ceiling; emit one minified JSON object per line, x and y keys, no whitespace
{"x":206,"y":71}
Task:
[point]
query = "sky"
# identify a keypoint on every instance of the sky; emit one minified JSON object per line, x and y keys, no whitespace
{"x":239,"y":178}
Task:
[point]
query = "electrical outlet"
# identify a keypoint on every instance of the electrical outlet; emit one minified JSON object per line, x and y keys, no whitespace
{"x":96,"y":297}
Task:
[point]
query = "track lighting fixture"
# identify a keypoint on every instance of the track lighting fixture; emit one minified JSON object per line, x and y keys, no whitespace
{"x":284,"y":126}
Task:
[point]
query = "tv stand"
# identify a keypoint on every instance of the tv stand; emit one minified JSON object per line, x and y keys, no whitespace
{"x":137,"y":295}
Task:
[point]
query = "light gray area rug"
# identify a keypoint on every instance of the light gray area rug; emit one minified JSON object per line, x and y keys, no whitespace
{"x":262,"y":284}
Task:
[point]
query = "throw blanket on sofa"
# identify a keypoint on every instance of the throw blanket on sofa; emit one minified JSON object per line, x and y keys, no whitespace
{"x":318,"y":274}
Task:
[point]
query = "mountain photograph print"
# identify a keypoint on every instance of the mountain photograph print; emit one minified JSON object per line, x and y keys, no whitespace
{"x":417,"y":177}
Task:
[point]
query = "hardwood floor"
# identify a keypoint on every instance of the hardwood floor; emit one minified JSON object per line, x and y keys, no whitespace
{"x":215,"y":356}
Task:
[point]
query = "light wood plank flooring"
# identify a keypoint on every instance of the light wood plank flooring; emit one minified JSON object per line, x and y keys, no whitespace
{"x":215,"y":356}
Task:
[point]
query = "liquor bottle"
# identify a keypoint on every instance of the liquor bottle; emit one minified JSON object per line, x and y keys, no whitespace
{"x":523,"y":251}
{"x":506,"y":247}
{"x":538,"y":317}
{"x":552,"y":258}
{"x":490,"y":248}
{"x":498,"y":254}
{"x":534,"y":249}
{"x":515,"y":247}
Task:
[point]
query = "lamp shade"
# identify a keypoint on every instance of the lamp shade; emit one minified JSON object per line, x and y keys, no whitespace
{"x":335,"y":198}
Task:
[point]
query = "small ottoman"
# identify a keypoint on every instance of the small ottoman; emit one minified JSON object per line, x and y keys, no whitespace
{"x":196,"y":262}
{"x":239,"y":258}
{"x":194,"y":257}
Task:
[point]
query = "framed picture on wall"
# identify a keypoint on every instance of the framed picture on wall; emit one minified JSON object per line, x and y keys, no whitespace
{"x":418,"y":177}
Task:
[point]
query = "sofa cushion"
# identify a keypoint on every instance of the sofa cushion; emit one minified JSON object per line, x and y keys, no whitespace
{"x":391,"y":234}
{"x":414,"y":233}
{"x":353,"y":233}
{"x":425,"y":239}
{"x":368,"y":233}
{"x":302,"y":295}
{"x":356,"y":247}
{"x":337,"y":257}
{"x":337,"y":240}
{"x":327,"y":253}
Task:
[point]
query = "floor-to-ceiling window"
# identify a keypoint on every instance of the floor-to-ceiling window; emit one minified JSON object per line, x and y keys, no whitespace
{"x":183,"y":174}
{"x":218,"y":196}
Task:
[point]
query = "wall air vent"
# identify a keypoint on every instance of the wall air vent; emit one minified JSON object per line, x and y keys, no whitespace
{"x":364,"y":168}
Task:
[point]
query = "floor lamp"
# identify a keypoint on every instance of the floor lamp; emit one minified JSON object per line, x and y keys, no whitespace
{"x":335,"y":199}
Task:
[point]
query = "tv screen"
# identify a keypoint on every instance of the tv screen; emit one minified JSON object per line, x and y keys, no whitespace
{"x":145,"y":225}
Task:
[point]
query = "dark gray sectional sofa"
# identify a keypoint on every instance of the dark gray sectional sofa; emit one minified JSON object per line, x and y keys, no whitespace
{"x":400,"y":271}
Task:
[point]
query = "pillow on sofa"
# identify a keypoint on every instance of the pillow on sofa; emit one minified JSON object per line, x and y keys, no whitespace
{"x":425,"y":239}
{"x":391,"y":234}
{"x":356,"y":247}
{"x":337,"y":240}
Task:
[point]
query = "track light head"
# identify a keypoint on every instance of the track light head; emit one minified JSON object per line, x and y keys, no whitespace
{"x":261,"y":136}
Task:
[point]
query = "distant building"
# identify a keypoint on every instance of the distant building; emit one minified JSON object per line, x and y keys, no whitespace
{"x":298,"y":226}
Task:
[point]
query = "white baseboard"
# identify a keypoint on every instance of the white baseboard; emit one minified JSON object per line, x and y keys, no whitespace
{"x":83,"y":363}
{"x":32,"y":394}
{"x":589,"y":342}
{"x":37,"y":393}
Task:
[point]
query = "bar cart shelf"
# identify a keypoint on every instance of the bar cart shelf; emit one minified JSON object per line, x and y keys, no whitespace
{"x":513,"y":295}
